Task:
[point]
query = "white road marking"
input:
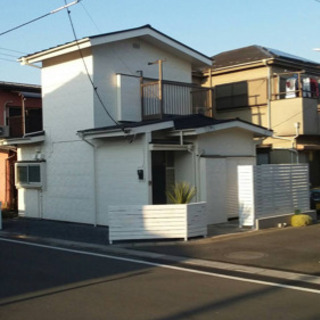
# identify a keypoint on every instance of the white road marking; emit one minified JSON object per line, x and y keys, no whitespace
{"x":165,"y":266}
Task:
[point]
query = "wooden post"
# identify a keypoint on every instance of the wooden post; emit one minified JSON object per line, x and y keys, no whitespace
{"x":160,"y":87}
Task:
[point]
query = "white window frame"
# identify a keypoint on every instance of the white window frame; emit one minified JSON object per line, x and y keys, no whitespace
{"x":28,"y":183}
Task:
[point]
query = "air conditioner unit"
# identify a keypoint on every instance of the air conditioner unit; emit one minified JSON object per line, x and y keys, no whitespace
{"x":4,"y":131}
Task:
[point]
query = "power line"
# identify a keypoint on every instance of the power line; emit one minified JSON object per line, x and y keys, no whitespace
{"x":90,"y":17}
{"x":8,"y":55}
{"x":41,"y":17}
{"x":11,"y":50}
{"x":9,"y":60}
{"x":87,"y":71}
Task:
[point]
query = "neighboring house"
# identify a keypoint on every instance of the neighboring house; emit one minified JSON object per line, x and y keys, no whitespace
{"x":20,"y":114}
{"x":121,"y":125}
{"x":276,"y":90}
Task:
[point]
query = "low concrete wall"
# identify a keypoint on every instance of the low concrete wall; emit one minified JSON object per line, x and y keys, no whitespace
{"x":283,"y":220}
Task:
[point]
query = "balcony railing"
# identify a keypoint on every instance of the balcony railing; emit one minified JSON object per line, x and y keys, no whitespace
{"x":33,"y":123}
{"x":161,"y":98}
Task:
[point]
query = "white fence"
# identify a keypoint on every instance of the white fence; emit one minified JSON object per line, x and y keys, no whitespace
{"x":157,"y":221}
{"x":272,"y":190}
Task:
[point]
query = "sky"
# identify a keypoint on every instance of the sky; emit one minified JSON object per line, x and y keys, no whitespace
{"x":209,"y":26}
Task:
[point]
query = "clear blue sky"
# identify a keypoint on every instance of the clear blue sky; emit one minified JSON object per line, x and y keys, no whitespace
{"x":209,"y":26}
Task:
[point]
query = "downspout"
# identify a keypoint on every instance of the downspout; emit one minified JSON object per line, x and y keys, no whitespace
{"x":265,"y":62}
{"x":95,"y":187}
{"x":198,"y":185}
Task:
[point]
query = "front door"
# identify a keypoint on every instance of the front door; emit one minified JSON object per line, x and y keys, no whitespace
{"x":159,"y":177}
{"x":162,"y":175}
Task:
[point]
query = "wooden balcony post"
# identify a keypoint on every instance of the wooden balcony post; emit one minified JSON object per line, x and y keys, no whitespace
{"x":160,"y":87}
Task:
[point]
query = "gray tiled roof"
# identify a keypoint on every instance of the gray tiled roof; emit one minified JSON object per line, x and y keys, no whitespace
{"x":252,"y":54}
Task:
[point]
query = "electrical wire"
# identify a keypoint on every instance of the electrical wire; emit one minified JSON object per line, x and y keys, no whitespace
{"x":88,"y":14}
{"x":11,"y":50}
{"x":8,"y":55}
{"x":4,"y":59}
{"x":87,"y":71}
{"x":67,"y":5}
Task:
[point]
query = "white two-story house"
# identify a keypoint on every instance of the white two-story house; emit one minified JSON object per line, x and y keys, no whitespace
{"x":122,"y":123}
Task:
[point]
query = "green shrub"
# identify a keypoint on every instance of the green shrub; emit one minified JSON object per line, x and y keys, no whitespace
{"x":300,"y":220}
{"x":181,"y":193}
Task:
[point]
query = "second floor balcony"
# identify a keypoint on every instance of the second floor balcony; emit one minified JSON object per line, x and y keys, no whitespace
{"x":146,"y":99}
{"x":163,"y":98}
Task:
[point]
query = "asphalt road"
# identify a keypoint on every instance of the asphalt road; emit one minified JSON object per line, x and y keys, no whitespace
{"x":46,"y":283}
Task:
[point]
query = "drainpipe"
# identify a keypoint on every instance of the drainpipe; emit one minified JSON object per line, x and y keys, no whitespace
{"x":95,"y":187}
{"x":265,"y":62}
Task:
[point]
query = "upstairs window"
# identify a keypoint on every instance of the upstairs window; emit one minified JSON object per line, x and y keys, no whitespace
{"x":29,"y":174}
{"x":231,"y":95}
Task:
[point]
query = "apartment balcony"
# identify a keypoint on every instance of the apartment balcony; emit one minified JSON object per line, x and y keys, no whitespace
{"x":288,"y":111}
{"x":18,"y":126}
{"x":146,"y":99}
{"x":173,"y":98}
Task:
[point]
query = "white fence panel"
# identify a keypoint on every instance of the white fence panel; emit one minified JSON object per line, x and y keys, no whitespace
{"x":157,"y":221}
{"x":276,"y":190}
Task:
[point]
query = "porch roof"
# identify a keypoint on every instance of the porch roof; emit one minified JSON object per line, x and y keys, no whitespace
{"x":190,"y":124}
{"x":29,"y":138}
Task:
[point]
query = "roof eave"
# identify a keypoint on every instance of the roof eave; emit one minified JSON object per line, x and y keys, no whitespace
{"x":125,"y":131}
{"x":237,"y":124}
{"x":146,"y":32}
{"x":22,"y":141}
{"x":56,"y":51}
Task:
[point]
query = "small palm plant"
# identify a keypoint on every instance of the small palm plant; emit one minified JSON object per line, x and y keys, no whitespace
{"x":181,"y":193}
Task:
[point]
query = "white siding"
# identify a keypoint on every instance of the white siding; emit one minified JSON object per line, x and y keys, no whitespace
{"x":67,"y":98}
{"x":124,"y":57}
{"x":233,"y":142}
{"x":128,"y":98}
{"x":214,"y":188}
{"x":29,"y":203}
{"x":184,"y":167}
{"x":69,"y":193}
{"x":231,"y":198}
{"x":157,"y":221}
{"x":271,"y":190}
{"x":117,"y":179}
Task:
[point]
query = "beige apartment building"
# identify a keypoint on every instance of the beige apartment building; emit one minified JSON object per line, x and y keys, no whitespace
{"x":275,"y":90}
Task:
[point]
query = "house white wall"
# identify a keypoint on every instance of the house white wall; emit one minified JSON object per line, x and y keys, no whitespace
{"x":212,"y":168}
{"x":221,"y":153}
{"x":69,"y":192}
{"x":82,"y":181}
{"x":67,"y":97}
{"x":127,"y":57}
{"x":117,"y":179}
{"x":231,"y":142}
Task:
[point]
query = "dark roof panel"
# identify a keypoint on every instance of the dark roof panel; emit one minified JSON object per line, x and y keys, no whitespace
{"x":14,"y":86}
{"x":239,"y":56}
{"x":180,"y":123}
{"x":252,"y":54}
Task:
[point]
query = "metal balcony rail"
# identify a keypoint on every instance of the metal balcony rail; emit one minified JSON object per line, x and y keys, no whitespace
{"x":160,"y":98}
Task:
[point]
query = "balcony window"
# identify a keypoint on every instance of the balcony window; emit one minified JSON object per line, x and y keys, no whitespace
{"x":231,"y":95}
